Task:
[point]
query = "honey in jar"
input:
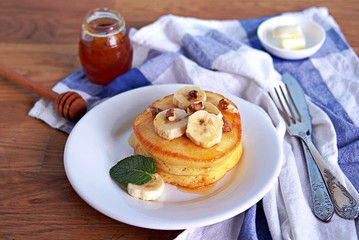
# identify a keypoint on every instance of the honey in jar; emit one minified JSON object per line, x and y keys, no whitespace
{"x":105,"y":49}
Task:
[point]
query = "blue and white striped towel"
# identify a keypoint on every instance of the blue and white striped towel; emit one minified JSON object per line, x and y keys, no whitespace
{"x":228,"y":56}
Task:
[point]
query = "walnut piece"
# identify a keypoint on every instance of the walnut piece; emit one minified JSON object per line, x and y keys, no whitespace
{"x":228,"y":106}
{"x":153,"y":110}
{"x":226,"y":127}
{"x":193,"y":94}
{"x":193,"y":107}
{"x":171,"y":115}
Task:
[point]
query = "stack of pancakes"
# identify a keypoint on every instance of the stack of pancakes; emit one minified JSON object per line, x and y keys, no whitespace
{"x":181,"y":162}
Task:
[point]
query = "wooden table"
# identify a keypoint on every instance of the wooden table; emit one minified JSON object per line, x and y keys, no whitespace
{"x":38,"y":39}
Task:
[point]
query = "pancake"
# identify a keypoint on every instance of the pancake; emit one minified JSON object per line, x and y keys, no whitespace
{"x":180,"y":161}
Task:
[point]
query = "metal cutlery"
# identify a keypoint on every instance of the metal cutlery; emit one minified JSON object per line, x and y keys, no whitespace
{"x":344,"y":203}
{"x":323,"y":207}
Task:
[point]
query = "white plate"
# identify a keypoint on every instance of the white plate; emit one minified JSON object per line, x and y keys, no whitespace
{"x":100,"y":139}
{"x":314,"y":36}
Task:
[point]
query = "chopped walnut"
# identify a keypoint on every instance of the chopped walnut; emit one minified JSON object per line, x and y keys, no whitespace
{"x":154,"y":110}
{"x":226,"y":127}
{"x":171,"y":115}
{"x":193,"y":107}
{"x":193,"y":94}
{"x":225,"y":104}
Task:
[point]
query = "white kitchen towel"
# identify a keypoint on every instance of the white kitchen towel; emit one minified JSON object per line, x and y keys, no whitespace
{"x":226,"y":55}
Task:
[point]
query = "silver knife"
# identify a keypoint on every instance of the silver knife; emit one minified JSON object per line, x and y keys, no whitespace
{"x":344,"y":204}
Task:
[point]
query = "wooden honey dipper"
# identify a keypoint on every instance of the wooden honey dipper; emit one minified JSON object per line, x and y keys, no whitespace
{"x":70,"y":104}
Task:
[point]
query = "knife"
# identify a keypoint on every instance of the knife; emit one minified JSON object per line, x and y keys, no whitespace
{"x":322,"y":205}
{"x":344,"y":203}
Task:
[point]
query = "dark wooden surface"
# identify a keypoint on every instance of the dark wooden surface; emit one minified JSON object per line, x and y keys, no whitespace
{"x":38,"y":39}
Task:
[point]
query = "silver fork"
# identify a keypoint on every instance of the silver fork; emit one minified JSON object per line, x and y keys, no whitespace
{"x":344,"y":203}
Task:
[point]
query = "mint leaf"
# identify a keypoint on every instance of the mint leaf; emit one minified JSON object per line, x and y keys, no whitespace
{"x":136,"y":169}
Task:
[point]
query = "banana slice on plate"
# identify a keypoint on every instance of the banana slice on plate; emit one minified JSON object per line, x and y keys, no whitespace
{"x":211,"y":108}
{"x":171,"y":123}
{"x":183,"y":97}
{"x":148,"y":191}
{"x":204,"y":128}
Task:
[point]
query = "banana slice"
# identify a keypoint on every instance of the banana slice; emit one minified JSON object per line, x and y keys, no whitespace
{"x":148,"y":191}
{"x":183,"y":97}
{"x":171,"y":123}
{"x":211,"y":108}
{"x":204,"y":128}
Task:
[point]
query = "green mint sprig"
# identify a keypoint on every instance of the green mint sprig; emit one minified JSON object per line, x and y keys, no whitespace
{"x":136,"y":169}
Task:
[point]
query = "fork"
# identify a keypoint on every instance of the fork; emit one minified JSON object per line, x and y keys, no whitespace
{"x":344,"y":203}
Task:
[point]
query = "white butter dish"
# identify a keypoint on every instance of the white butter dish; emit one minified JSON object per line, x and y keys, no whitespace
{"x":313,"y":33}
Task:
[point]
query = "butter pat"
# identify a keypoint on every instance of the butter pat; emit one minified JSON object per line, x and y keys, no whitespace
{"x":291,"y":37}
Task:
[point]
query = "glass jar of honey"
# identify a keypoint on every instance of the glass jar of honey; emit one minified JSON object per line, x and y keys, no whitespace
{"x":105,"y":49}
